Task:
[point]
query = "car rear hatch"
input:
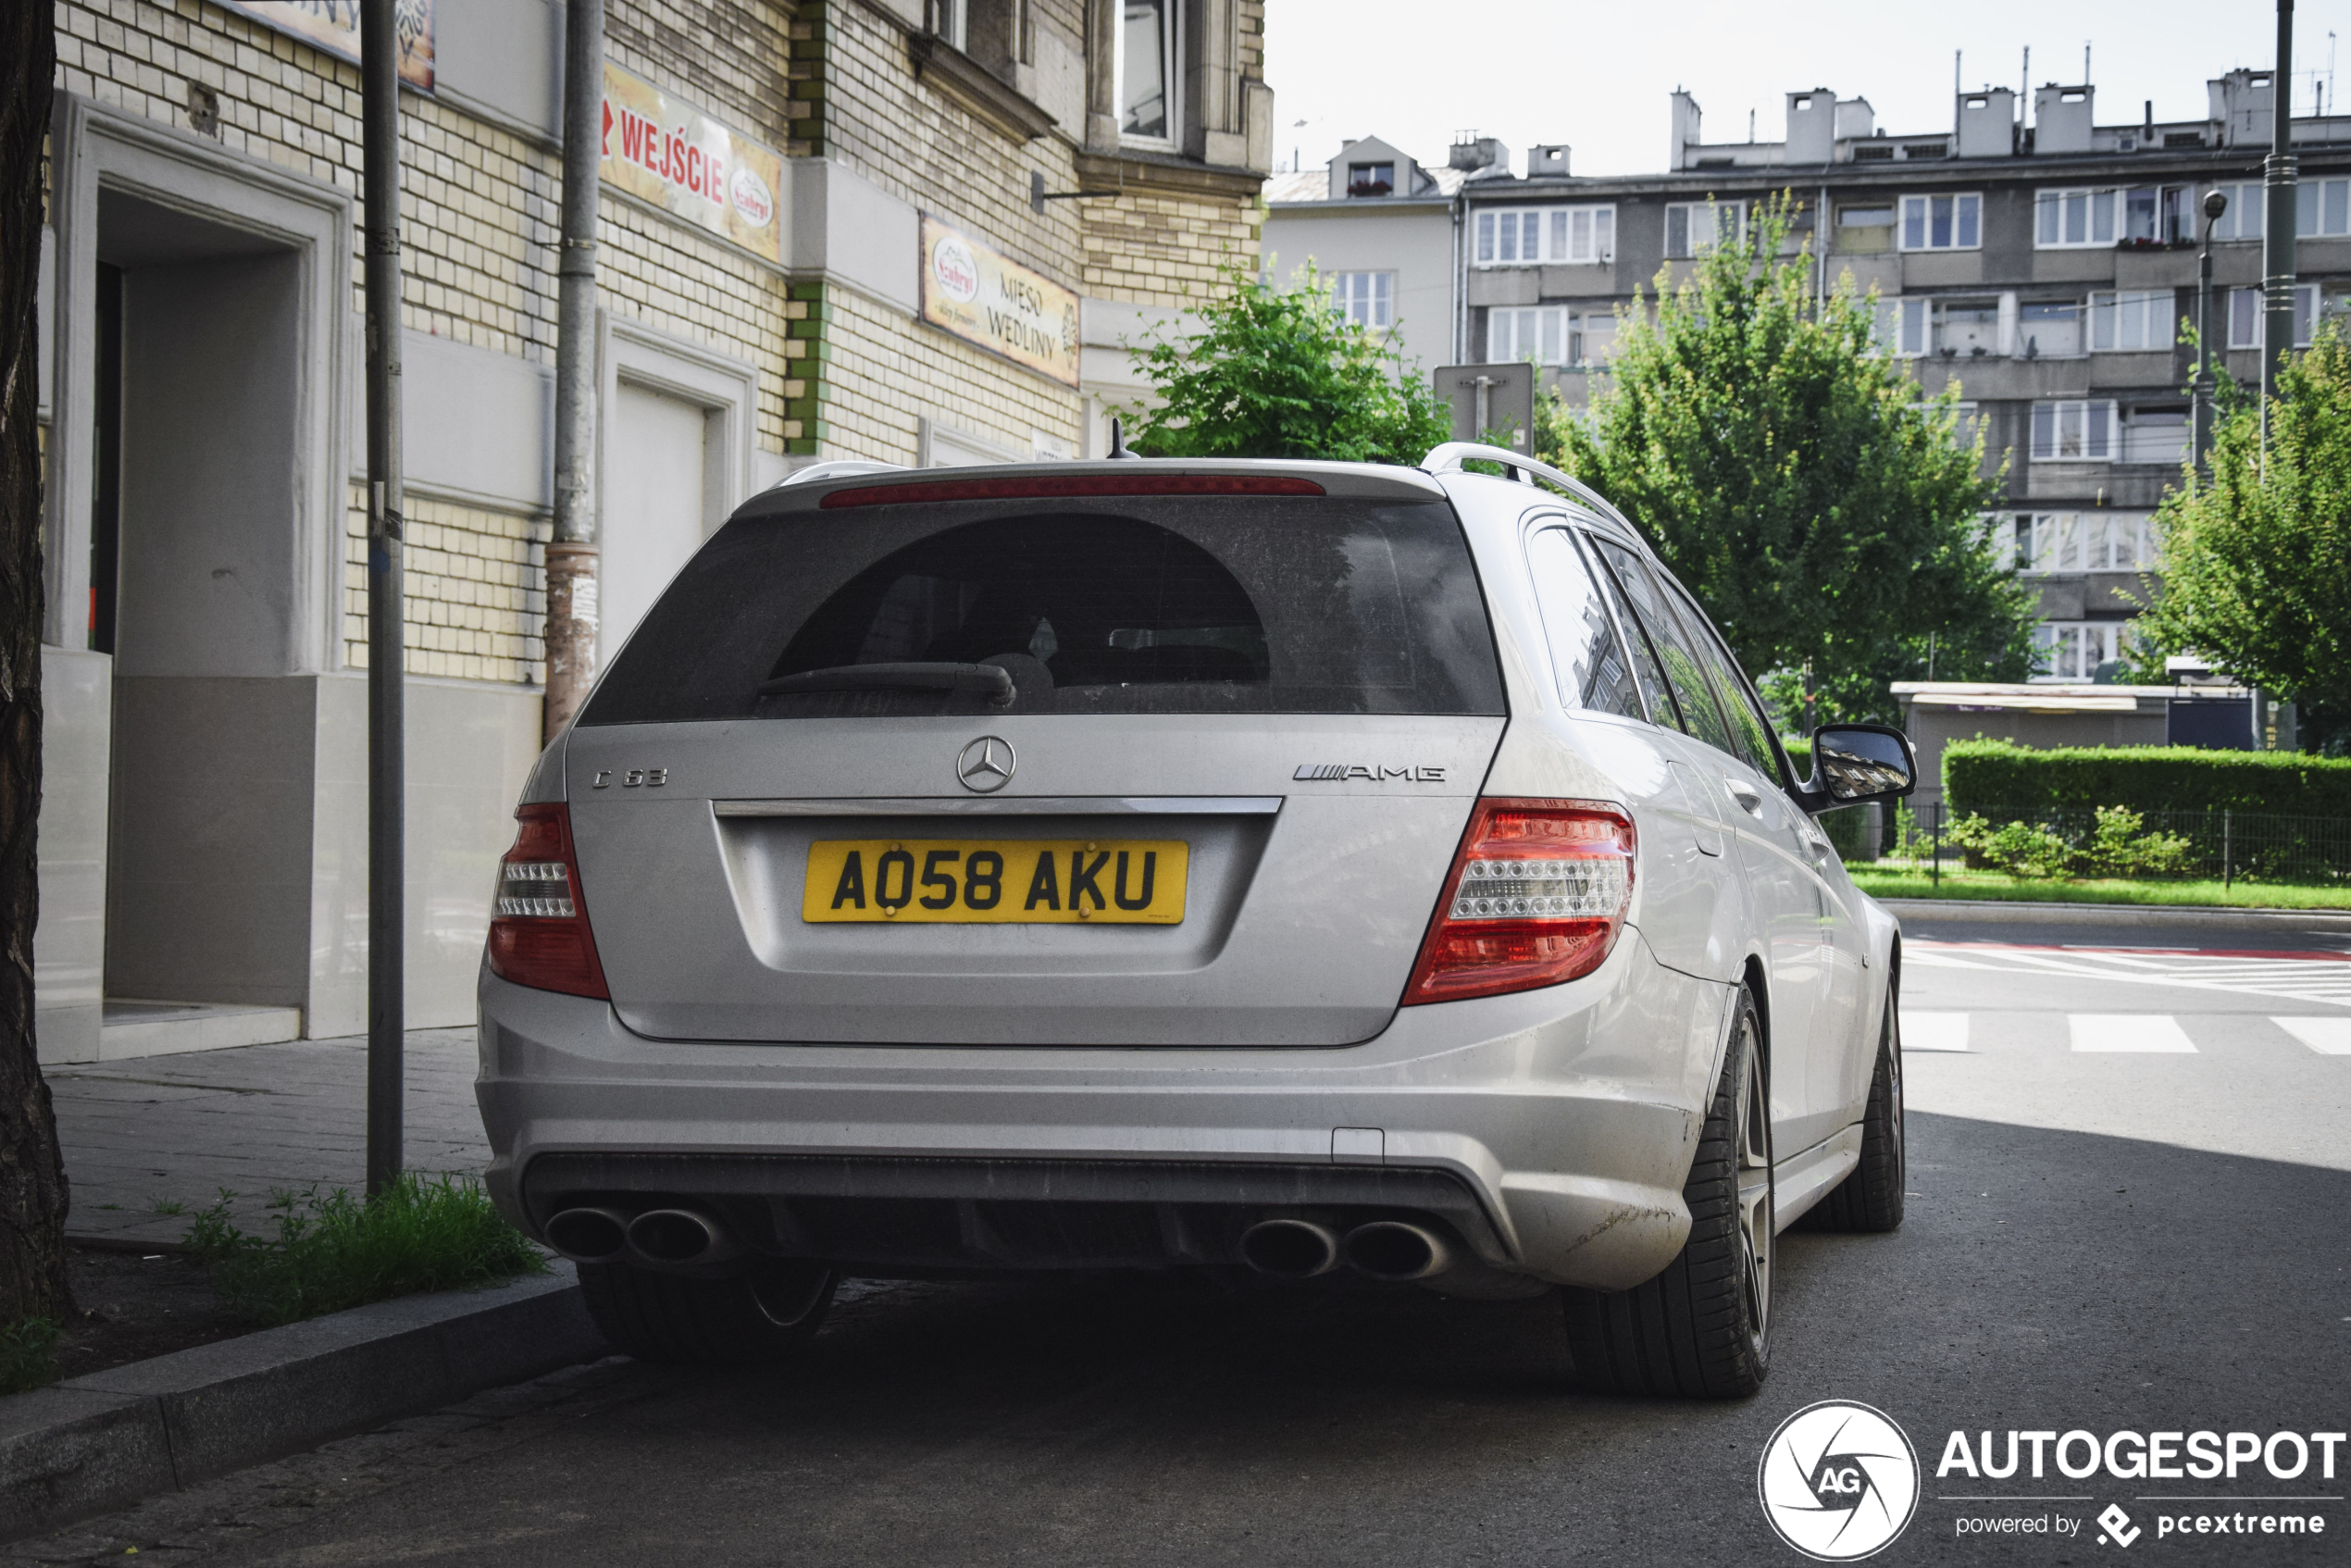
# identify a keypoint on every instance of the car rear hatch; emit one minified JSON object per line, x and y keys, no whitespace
{"x":1122,"y":754}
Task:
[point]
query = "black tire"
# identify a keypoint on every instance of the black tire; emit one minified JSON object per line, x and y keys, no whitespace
{"x":766,"y":1315}
{"x":1702,"y":1329}
{"x":1870,"y":1200}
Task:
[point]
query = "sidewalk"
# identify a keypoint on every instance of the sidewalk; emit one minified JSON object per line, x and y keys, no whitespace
{"x":174,"y":1130}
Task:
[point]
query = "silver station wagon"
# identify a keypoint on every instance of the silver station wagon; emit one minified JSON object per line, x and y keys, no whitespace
{"x":1276,"y":867}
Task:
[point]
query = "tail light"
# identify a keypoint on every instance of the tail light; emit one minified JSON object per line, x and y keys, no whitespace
{"x":538,"y":933}
{"x":1537,"y":895}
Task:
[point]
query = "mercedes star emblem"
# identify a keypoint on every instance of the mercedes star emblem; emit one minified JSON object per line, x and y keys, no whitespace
{"x":986,"y":765}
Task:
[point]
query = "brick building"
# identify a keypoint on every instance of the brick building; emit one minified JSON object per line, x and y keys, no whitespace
{"x":784,"y":187}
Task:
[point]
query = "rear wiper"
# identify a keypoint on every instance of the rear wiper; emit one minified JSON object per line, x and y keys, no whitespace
{"x":993,"y":682}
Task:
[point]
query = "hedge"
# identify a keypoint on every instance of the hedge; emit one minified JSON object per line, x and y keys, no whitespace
{"x":1994,"y":776}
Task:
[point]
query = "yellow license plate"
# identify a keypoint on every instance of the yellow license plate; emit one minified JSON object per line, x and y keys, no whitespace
{"x":997,"y":881}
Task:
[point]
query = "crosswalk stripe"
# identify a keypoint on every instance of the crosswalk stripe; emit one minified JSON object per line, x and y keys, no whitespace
{"x":1933,"y":1031}
{"x":2326,"y":982}
{"x":2328,"y":1037}
{"x":2147,"y":1032}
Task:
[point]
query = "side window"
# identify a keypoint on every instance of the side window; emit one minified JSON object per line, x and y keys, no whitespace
{"x":1684,"y":671}
{"x":1746,"y":719}
{"x":1587,"y":659}
{"x":1648,"y":674}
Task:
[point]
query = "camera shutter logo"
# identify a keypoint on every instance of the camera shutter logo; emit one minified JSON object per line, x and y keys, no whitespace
{"x":1838,"y":1481}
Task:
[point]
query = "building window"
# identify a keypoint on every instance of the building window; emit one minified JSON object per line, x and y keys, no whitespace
{"x":2243,"y":220}
{"x":2074,"y":431}
{"x":2131,"y":321}
{"x":2084,"y":542}
{"x":2075,"y":650}
{"x":1694,"y":228}
{"x":2244,"y":315}
{"x":1147,"y":70}
{"x":1864,"y":231}
{"x":2154,"y":435}
{"x":952,"y":20}
{"x":2050,"y":329}
{"x":1942,"y":223}
{"x":1549,"y":335}
{"x":1371,"y":178}
{"x":1368,"y":299}
{"x":1525,"y":236}
{"x":1967,"y":327}
{"x":2323,"y":208}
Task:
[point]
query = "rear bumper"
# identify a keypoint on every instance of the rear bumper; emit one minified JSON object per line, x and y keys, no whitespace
{"x":1551,"y":1132}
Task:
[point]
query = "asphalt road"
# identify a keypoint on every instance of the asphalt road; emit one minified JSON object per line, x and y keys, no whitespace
{"x":2130,"y":1210}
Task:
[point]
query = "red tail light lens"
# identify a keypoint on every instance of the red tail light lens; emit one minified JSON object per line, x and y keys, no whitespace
{"x":1537,"y":895}
{"x":538,"y":933}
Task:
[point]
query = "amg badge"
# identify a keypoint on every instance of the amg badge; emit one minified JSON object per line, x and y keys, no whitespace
{"x":1380,"y":772}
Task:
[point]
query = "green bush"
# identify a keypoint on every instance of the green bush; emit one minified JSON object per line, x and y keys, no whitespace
{"x":2116,"y":846}
{"x":2001,"y":775}
{"x":339,"y":1251}
{"x":26,"y":1354}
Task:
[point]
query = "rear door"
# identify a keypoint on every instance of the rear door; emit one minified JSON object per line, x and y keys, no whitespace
{"x":1243,"y":739}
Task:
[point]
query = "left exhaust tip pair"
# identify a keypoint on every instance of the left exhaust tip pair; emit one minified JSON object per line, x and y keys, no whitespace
{"x":662,"y":1238}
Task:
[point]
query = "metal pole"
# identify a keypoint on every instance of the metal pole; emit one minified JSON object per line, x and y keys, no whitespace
{"x":2215,"y":204}
{"x":1934,"y":865}
{"x":2228,"y":846}
{"x":387,"y":857}
{"x":573,"y":603}
{"x":2278,"y":193}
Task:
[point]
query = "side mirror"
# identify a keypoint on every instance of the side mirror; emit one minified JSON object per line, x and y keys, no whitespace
{"x":1854,"y":763}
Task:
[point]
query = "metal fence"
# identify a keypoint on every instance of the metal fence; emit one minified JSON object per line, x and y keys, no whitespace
{"x":2222,"y":845}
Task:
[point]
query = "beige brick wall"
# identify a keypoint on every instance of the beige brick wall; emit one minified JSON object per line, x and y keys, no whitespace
{"x":475,"y":584}
{"x":1166,"y":249}
{"x":885,"y":371}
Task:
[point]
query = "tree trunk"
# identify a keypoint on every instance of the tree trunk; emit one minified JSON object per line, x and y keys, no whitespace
{"x":32,"y":1170}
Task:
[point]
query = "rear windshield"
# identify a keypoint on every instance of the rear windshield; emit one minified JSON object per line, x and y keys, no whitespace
{"x":1174,"y":604}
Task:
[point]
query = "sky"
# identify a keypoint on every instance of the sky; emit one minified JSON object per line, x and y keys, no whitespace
{"x":1598,"y":77}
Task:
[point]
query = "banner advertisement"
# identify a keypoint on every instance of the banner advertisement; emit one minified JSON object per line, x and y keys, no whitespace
{"x":333,"y":26}
{"x":986,"y":297}
{"x":666,"y":151}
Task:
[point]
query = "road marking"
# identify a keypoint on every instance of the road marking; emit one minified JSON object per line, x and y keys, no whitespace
{"x":1933,"y":1031}
{"x":2322,"y":978}
{"x":2328,"y":1037}
{"x":2129,"y":1032}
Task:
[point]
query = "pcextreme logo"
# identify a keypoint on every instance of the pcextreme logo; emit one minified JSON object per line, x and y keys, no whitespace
{"x":1838,"y":1481}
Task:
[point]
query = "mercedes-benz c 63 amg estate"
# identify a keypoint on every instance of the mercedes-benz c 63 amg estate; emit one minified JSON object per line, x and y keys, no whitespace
{"x":1273,"y":866}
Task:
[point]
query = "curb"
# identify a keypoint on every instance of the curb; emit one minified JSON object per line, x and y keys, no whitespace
{"x":95,"y":1443}
{"x":1986,"y":911}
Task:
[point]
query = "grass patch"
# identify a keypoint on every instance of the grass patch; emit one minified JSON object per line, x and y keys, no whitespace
{"x":26,"y":1353}
{"x":1912,"y":882}
{"x":339,"y":1252}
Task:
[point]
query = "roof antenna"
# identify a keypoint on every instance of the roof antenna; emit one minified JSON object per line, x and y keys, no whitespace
{"x":1117,"y":440}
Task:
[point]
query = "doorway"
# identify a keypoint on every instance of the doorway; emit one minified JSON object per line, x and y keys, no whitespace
{"x":659,"y":504}
{"x":194,"y":564}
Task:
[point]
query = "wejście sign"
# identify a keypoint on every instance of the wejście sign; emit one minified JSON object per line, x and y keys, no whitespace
{"x":669,"y":153}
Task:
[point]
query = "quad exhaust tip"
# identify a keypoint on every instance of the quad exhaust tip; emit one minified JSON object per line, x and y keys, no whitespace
{"x":588,"y":1235}
{"x":681,"y":1236}
{"x":1395,"y":1251}
{"x":1290,"y":1248}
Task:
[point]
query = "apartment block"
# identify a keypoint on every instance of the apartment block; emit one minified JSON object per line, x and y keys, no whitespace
{"x":2042,"y":260}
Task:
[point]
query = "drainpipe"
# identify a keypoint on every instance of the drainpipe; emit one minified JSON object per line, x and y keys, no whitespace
{"x":572,"y":600}
{"x":1461,"y":274}
{"x":387,"y":848}
{"x":2278,"y":193}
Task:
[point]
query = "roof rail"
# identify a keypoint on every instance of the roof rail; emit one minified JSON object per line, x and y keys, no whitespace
{"x":1449,"y":457}
{"x":839,"y":469}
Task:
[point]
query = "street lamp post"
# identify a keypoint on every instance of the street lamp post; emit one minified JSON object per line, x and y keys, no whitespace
{"x":2215,"y":204}
{"x":2278,"y":196}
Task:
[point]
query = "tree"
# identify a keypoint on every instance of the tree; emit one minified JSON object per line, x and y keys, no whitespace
{"x":1275,"y":374}
{"x":33,"y":1173}
{"x":2255,"y":565}
{"x":1826,"y":511}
